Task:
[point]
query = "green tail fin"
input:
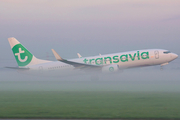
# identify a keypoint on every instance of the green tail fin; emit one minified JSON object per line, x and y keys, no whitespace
{"x":22,"y":55}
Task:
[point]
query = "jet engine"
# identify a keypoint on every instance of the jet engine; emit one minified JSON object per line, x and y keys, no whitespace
{"x":110,"y":68}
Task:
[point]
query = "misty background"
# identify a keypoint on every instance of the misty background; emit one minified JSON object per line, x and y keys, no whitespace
{"x":89,"y":28}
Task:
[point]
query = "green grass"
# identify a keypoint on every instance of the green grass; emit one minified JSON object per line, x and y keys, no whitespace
{"x":41,"y":104}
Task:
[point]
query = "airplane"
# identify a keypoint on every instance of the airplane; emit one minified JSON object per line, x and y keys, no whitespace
{"x":109,"y":63}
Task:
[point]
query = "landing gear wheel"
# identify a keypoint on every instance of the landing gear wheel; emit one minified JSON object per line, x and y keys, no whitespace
{"x":161,"y":68}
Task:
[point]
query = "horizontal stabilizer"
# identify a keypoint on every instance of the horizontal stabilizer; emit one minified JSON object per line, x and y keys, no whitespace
{"x":17,"y":68}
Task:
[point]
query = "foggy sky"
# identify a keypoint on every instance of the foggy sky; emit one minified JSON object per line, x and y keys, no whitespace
{"x":88,"y":27}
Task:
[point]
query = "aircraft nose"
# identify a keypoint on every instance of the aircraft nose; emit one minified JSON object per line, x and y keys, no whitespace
{"x":174,"y":56}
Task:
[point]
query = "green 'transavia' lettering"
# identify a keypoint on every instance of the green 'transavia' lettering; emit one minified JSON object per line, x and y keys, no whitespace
{"x":90,"y":61}
{"x":132,"y":57}
{"x":105,"y":59}
{"x":99,"y":61}
{"x":117,"y":59}
{"x":145,"y":55}
{"x":124,"y":58}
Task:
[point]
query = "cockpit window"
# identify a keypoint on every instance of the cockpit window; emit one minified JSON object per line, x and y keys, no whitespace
{"x":166,"y":52}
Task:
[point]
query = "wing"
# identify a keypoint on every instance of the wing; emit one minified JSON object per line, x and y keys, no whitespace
{"x":76,"y":64}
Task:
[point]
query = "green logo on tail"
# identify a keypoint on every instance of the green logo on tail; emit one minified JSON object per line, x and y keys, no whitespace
{"x":22,"y":55}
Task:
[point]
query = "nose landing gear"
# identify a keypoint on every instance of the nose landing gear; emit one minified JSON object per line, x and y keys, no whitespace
{"x":161,"y":68}
{"x":163,"y":65}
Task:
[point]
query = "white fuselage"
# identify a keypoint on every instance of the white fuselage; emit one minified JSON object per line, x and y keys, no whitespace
{"x":138,"y":58}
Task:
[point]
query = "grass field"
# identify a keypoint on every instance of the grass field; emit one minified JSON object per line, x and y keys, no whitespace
{"x":89,"y":104}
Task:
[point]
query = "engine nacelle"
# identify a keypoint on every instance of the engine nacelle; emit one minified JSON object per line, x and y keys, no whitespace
{"x":110,"y":68}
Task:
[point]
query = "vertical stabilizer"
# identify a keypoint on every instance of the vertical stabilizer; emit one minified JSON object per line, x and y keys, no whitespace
{"x":22,"y":55}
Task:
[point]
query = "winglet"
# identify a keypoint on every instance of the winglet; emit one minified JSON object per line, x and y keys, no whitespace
{"x":79,"y":55}
{"x":57,"y":56}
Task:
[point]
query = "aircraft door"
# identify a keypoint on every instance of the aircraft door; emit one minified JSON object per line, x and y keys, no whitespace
{"x":156,"y":53}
